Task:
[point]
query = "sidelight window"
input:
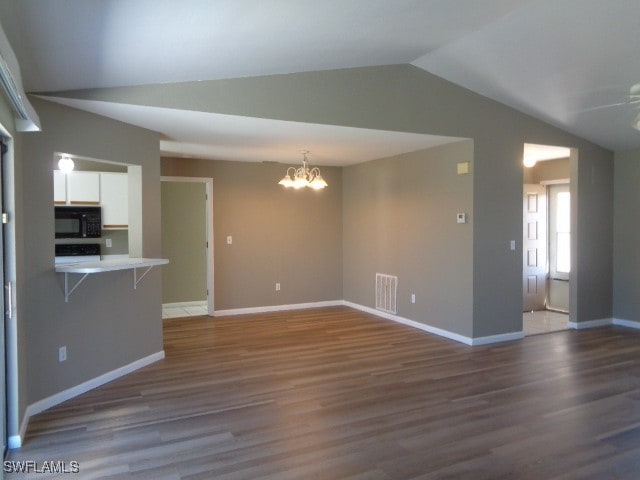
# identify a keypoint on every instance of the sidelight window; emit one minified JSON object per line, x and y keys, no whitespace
{"x":560,"y":231}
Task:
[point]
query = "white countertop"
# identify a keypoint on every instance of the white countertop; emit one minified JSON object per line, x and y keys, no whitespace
{"x":110,"y":265}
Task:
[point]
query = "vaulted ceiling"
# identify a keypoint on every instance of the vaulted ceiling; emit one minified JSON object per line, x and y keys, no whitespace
{"x":572,"y":63}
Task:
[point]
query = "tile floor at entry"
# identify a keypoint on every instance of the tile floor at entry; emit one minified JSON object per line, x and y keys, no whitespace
{"x":544,"y":321}
{"x":186,"y":310}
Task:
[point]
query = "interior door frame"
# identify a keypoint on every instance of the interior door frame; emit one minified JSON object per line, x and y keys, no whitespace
{"x":15,"y":429}
{"x":574,"y":160}
{"x":7,"y":305}
{"x":209,"y":229}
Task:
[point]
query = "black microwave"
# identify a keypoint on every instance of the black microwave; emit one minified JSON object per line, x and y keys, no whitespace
{"x":78,"y":222}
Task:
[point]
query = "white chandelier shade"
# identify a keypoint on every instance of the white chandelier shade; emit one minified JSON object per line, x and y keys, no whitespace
{"x":303,"y":176}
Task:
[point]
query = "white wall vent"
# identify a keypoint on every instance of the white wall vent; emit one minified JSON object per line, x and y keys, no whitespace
{"x":386,"y":292}
{"x":11,"y":84}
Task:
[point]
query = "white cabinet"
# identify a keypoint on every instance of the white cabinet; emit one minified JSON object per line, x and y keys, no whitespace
{"x":110,"y":190}
{"x":83,"y":188}
{"x":114,"y":198}
{"x":59,"y":188}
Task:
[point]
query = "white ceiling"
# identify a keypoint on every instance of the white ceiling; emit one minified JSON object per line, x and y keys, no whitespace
{"x":238,"y":138}
{"x":72,"y":44}
{"x":539,"y":153}
{"x":558,"y":60}
{"x":561,"y":61}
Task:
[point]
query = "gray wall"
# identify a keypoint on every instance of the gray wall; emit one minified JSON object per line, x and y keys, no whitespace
{"x":399,"y":218}
{"x":590,"y":291}
{"x":279,"y":235}
{"x":83,"y":165}
{"x":119,"y":242}
{"x":106,"y":323}
{"x":184,"y":236}
{"x":626,"y":282}
{"x":405,"y":98}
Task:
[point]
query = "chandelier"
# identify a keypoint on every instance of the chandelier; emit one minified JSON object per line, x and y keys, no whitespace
{"x":303,"y":176}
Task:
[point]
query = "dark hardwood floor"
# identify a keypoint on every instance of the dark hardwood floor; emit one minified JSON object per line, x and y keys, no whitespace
{"x":335,"y":393}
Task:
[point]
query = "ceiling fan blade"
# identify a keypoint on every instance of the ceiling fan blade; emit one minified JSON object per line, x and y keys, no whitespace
{"x":600,"y":107}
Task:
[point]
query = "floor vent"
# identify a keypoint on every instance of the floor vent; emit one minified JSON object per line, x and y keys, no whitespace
{"x":386,"y":291}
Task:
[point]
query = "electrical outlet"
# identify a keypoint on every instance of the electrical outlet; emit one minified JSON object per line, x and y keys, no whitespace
{"x":108,"y":243}
{"x":62,"y":353}
{"x":229,"y":240}
{"x":277,"y":287}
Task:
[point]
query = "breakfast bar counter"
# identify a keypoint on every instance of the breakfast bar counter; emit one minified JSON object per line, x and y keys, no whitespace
{"x":109,"y":265}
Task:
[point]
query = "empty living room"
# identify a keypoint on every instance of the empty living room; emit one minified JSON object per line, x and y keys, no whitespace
{"x":338,"y":240}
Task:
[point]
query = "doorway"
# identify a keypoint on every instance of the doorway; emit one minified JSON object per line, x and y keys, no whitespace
{"x":187,"y":241}
{"x":546,"y":239}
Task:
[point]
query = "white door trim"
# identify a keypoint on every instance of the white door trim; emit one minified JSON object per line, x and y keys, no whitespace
{"x":209,"y":228}
{"x":11,"y":324}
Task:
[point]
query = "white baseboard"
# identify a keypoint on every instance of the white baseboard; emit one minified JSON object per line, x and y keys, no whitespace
{"x":602,"y":322}
{"x":277,"y":308}
{"x":202,"y":303}
{"x":15,"y":441}
{"x":626,"y":323}
{"x":412,"y":323}
{"x":396,"y":318}
{"x":502,"y":337}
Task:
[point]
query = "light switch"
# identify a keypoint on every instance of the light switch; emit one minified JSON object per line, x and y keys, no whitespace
{"x":512,"y":244}
{"x":229,"y":239}
{"x":461,"y":218}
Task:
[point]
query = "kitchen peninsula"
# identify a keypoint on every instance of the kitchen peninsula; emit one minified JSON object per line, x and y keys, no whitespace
{"x":109,"y":265}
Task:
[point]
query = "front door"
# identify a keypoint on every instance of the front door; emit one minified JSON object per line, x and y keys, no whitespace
{"x":534,"y":266}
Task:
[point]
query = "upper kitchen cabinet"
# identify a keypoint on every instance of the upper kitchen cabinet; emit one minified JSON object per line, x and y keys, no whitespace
{"x":114,"y":198}
{"x":83,"y":188}
{"x":110,"y":190}
{"x":59,"y":188}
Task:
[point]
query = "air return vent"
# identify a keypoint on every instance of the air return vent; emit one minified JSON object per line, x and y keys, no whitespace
{"x":26,"y":117}
{"x":386,"y":291}
{"x":10,"y":88}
